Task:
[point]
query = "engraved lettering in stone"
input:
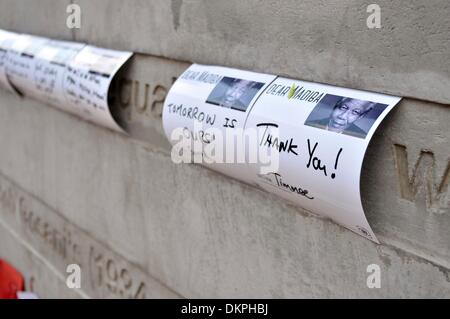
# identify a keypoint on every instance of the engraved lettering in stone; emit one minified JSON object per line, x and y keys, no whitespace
{"x":107,"y":273}
{"x":422,"y":177}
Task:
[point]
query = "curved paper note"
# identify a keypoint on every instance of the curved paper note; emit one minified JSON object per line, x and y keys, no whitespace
{"x":6,"y":41}
{"x":315,"y":136}
{"x":49,"y":69}
{"x":72,"y":76}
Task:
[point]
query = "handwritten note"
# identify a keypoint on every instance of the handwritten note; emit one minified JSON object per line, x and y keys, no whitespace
{"x":332,"y":128}
{"x":316,"y":135}
{"x":6,"y":41}
{"x":87,"y":81}
{"x":71,"y":76}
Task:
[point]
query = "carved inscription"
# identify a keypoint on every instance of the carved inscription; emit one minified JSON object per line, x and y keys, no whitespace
{"x":108,"y":273}
{"x":105,"y":273}
{"x":423,"y":176}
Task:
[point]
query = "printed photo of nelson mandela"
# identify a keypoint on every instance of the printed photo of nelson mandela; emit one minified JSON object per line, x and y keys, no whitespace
{"x":234,"y":93}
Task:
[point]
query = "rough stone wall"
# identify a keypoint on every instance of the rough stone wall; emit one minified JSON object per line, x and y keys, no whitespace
{"x":141,"y":226}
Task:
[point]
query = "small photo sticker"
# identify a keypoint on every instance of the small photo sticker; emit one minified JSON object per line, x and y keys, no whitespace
{"x":345,"y":115}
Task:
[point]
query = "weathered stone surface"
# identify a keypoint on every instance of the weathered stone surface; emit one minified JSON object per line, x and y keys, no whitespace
{"x":104,"y":273}
{"x":320,"y":41}
{"x":184,"y":231}
{"x":401,"y":139}
{"x":190,"y":227}
{"x":405,"y":179}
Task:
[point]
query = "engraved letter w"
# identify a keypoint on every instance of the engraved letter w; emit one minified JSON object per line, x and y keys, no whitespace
{"x":423,"y":176}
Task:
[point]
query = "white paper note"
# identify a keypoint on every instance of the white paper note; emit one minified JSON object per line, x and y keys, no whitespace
{"x":6,"y":41}
{"x":323,"y":133}
{"x":71,"y":76}
{"x":315,"y":136}
{"x":87,"y":81}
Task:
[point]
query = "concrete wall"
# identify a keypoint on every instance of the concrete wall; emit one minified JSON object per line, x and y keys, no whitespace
{"x":141,"y":226}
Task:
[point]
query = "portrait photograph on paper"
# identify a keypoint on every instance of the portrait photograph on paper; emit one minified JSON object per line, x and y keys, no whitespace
{"x":345,"y":115}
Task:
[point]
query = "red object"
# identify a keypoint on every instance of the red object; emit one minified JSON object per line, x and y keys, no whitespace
{"x":10,"y":281}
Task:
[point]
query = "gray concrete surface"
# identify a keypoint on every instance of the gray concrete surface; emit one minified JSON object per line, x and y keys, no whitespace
{"x":189,"y":227}
{"x":117,"y":205}
{"x":321,"y":41}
